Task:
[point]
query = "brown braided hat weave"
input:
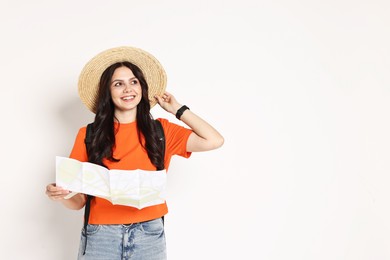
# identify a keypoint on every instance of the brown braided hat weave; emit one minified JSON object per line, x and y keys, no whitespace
{"x":151,"y":68}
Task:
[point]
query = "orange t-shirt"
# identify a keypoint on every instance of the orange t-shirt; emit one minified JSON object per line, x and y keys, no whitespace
{"x":132,"y":156}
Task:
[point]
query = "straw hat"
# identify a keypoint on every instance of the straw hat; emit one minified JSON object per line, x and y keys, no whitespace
{"x":151,"y":68}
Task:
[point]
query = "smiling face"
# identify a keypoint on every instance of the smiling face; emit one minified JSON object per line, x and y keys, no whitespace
{"x":126,"y":93}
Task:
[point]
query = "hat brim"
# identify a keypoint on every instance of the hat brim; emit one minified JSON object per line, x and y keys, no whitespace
{"x":151,"y":68}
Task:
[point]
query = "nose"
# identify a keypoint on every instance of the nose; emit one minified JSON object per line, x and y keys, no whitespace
{"x":127,"y":88}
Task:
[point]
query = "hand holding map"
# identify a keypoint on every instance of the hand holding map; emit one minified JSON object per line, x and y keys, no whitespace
{"x":135,"y":188}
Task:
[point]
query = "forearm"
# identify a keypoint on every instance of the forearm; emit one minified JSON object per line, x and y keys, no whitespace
{"x":76,"y":202}
{"x":204,"y":136}
{"x":208,"y":138}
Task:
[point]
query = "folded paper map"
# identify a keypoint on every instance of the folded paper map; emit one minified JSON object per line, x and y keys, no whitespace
{"x":134,"y":188}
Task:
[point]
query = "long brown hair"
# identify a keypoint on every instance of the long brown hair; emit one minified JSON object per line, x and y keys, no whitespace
{"x":103,"y":137}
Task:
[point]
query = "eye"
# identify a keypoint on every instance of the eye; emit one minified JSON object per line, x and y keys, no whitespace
{"x":118,"y":84}
{"x":134,"y":82}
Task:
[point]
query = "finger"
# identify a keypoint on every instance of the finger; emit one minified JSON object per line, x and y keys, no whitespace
{"x":50,"y":186}
{"x":57,"y":195}
{"x":52,"y":190}
{"x":171,"y":97}
{"x":59,"y":192}
{"x":53,"y":187}
{"x":159,"y":99}
{"x":60,"y":197}
{"x":166,"y":99}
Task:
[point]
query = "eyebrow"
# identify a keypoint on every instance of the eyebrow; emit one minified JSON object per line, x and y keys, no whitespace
{"x":122,"y":79}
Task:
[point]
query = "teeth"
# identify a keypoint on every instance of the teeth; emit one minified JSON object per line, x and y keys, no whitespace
{"x":128,"y":98}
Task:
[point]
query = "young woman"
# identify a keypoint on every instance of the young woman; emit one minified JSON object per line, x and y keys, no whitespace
{"x":120,"y":86}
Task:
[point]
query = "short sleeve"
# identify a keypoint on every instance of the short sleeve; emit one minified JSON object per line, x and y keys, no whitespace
{"x":176,"y":138}
{"x":79,"y":151}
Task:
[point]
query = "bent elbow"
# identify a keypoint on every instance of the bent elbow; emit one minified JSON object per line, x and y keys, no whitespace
{"x":218,"y":142}
{"x":198,"y":144}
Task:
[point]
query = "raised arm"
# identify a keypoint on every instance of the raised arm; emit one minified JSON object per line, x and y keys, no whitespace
{"x":204,"y":136}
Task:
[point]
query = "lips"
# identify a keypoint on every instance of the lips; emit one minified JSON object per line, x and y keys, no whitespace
{"x":128,"y":98}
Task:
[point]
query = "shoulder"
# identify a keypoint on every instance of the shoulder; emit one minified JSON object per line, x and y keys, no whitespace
{"x":166,"y":124}
{"x":82,"y":132}
{"x":174,"y":129}
{"x":79,"y":150}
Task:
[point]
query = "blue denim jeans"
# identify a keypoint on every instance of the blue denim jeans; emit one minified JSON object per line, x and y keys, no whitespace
{"x":139,"y":241}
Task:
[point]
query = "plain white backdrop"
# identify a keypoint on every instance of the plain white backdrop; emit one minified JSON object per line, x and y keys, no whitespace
{"x":299,"y":89}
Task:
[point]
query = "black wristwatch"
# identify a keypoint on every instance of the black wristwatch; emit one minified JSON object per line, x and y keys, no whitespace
{"x":180,"y":111}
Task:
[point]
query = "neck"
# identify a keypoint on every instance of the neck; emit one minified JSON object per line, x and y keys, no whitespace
{"x":125,"y":117}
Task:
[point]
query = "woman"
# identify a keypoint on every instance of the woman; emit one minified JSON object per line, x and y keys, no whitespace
{"x":120,"y":86}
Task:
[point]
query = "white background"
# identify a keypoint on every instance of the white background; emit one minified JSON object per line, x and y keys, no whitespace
{"x":299,"y":89}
